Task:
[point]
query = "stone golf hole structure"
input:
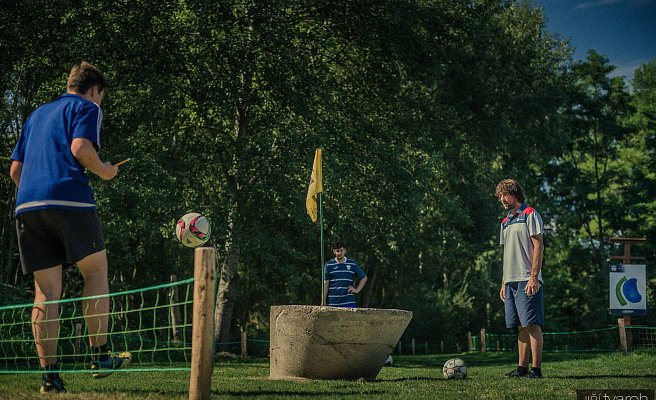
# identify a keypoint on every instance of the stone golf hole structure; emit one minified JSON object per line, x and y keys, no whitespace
{"x":320,"y":342}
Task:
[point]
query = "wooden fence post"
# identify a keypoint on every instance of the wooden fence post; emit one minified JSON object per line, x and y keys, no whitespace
{"x":625,"y":344}
{"x":175,"y":311}
{"x":200,"y":381}
{"x":78,"y":335}
{"x":244,"y":344}
{"x":483,"y":341}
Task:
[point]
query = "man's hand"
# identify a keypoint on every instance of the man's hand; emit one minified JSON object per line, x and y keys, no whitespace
{"x":110,"y":171}
{"x":532,"y":286}
{"x":502,"y":292}
{"x":361,"y":284}
{"x":85,"y":153}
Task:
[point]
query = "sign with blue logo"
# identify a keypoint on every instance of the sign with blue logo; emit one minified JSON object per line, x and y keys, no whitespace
{"x":628,"y":289}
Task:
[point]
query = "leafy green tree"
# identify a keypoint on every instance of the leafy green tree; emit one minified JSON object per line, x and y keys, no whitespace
{"x":27,"y":78}
{"x":583,"y":183}
{"x":638,"y":189}
{"x":420,"y":107}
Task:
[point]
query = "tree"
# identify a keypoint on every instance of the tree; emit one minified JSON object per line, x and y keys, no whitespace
{"x":420,"y":107}
{"x":638,"y":188}
{"x":584,"y":182}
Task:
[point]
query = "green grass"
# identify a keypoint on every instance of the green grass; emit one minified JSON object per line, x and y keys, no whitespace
{"x":411,"y":377}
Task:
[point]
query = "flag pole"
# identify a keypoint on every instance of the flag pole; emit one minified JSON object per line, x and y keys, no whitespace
{"x":323,"y":264}
{"x":315,"y":190}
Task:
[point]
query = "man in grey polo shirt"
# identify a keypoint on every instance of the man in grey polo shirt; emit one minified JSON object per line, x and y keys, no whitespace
{"x":521,"y":288}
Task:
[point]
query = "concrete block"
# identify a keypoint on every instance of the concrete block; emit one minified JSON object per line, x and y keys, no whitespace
{"x":320,"y":342}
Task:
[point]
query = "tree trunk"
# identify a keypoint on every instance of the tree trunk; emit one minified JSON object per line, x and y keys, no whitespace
{"x":9,"y":262}
{"x":368,"y":287}
{"x":227,"y":293}
{"x":229,"y":279}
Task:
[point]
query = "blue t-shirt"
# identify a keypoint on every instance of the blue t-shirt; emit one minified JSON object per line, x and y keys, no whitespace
{"x":51,"y":176}
{"x":340,"y":277}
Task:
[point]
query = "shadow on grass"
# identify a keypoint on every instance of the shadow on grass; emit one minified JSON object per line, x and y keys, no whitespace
{"x":645,"y":376}
{"x":411,"y":379}
{"x":282,"y":393}
{"x":490,"y":358}
{"x":290,"y":393}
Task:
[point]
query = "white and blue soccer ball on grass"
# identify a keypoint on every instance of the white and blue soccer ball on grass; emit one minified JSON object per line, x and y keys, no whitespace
{"x":389,"y":361}
{"x":455,"y":368}
{"x":193,"y":230}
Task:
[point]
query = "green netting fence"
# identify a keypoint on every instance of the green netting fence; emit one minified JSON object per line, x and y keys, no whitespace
{"x":597,"y":340}
{"x":153,"y":323}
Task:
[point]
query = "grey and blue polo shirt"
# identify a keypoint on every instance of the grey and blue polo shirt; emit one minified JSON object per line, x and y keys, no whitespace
{"x":516,"y":232}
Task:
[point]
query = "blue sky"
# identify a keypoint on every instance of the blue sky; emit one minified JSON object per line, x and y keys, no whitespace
{"x":623,"y":30}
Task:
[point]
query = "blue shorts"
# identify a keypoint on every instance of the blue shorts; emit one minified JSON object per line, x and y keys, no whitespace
{"x":523,"y":310}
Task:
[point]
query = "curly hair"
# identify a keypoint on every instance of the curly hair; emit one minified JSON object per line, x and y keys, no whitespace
{"x":512,"y":187}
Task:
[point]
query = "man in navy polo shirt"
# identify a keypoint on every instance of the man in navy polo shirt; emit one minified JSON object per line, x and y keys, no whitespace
{"x":56,"y":219}
{"x":521,"y":288}
{"x":340,"y":275}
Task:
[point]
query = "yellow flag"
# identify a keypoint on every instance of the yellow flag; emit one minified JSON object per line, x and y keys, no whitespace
{"x":315,"y":187}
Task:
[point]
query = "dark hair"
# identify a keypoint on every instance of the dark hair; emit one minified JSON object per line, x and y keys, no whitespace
{"x":512,"y":187}
{"x":338,"y":245}
{"x":85,"y":76}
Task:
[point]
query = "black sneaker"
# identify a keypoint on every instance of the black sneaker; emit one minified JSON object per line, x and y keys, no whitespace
{"x":535,"y":375}
{"x":517,"y":374}
{"x":52,"y":385}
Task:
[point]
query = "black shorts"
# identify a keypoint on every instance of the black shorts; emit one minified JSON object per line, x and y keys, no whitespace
{"x":51,"y":237}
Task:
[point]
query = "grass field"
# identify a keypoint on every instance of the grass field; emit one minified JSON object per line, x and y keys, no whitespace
{"x":411,"y":377}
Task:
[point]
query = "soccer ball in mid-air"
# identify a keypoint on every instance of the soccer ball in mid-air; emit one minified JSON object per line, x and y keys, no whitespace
{"x":455,"y":368}
{"x":193,"y":230}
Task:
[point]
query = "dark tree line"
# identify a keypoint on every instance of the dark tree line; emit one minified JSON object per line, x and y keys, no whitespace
{"x":421,"y":107}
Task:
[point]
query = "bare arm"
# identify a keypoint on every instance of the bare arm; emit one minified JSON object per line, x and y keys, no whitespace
{"x":324,"y":301}
{"x":15,"y":171}
{"x":361,"y":284}
{"x":86,"y":155}
{"x":532,"y":286}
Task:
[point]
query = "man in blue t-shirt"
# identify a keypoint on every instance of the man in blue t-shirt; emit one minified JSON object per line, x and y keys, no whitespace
{"x":340,"y":275}
{"x":56,"y":219}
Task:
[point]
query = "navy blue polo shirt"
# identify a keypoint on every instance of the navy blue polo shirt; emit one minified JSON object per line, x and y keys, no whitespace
{"x":51,"y":176}
{"x":340,"y":277}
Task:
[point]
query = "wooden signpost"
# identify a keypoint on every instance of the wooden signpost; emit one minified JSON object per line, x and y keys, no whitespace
{"x":622,"y":323}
